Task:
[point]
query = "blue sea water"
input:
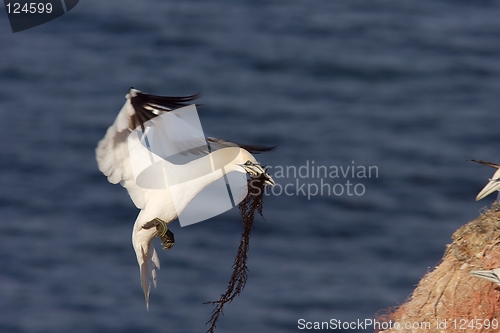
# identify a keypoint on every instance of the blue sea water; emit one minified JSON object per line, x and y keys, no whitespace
{"x":409,"y":87}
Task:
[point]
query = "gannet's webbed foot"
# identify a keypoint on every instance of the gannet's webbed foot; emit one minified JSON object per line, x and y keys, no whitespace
{"x":166,"y":236}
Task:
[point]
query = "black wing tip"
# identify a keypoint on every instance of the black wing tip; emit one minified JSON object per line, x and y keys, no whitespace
{"x":142,"y":103}
{"x":168,"y":99}
{"x":158,"y":99}
{"x":490,"y":164}
{"x":254,"y":149}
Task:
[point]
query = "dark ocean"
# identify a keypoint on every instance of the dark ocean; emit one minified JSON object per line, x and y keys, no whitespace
{"x":409,"y":88}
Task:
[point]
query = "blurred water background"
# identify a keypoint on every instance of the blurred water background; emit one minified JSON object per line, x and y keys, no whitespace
{"x":411,"y":87}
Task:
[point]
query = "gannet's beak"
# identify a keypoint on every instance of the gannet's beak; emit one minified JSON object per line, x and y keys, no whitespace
{"x":492,"y":186}
{"x":256,"y":170}
{"x":269,"y":180}
{"x":488,"y":275}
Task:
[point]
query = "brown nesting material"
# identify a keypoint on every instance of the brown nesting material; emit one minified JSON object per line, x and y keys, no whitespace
{"x":450,"y":300}
{"x":252,"y":203}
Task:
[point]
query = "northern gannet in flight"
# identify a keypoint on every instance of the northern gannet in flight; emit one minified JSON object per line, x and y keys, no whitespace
{"x":491,"y":275}
{"x":157,"y":206}
{"x":494,"y":182}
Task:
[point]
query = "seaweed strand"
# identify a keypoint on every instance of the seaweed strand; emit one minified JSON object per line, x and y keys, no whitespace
{"x":252,"y":203}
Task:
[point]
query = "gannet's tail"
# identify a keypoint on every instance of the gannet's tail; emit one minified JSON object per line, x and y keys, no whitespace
{"x":147,"y":258}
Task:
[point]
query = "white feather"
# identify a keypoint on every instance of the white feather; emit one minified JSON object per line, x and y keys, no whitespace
{"x":113,"y":159}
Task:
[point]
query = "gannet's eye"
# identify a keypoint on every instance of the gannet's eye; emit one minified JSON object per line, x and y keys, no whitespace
{"x":248,"y":163}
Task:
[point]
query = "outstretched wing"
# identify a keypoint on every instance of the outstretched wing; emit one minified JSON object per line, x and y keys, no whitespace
{"x":112,"y":152}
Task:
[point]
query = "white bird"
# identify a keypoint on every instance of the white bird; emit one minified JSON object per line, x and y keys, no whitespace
{"x":491,"y":275}
{"x":494,"y":182}
{"x":157,"y":206}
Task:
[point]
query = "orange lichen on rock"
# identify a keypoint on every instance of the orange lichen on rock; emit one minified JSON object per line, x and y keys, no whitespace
{"x":448,"y":299}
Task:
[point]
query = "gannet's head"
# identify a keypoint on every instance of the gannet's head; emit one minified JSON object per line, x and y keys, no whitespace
{"x":255,"y":170}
